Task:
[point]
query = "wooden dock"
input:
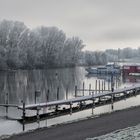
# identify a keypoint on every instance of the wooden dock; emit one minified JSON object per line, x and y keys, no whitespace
{"x":94,"y":99}
{"x":81,"y":99}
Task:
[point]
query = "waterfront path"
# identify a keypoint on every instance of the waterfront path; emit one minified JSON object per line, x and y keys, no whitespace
{"x":85,"y":128}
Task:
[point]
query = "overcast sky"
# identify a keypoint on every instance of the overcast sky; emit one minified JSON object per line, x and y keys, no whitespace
{"x":101,"y":24}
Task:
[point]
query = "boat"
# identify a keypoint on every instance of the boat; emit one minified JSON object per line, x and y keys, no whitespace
{"x":110,"y":68}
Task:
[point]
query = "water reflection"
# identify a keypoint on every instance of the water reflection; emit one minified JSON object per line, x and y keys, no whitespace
{"x":22,"y":84}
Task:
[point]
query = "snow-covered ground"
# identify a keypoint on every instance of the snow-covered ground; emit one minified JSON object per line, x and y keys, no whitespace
{"x":130,"y":133}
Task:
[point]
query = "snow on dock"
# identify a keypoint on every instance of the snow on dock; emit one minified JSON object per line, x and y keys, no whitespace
{"x":82,"y":98}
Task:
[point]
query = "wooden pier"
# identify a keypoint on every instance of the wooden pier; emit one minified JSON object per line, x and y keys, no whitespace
{"x":96,"y":97}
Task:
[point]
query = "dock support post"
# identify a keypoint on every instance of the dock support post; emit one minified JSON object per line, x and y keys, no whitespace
{"x":125,"y":94}
{"x":89,"y":89}
{"x":96,"y":87}
{"x":112,"y":102}
{"x":116,"y":83}
{"x":102,"y":86}
{"x":83,"y":87}
{"x":57,"y":93}
{"x":66,"y":93}
{"x":23,"y":114}
{"x":6,"y":102}
{"x":99,"y":86}
{"x":70,"y":108}
{"x":47,"y":96}
{"x":47,"y":99}
{"x":75,"y":91}
{"x":56,"y":108}
{"x":135,"y":92}
{"x":108,"y":86}
{"x":37,"y":94}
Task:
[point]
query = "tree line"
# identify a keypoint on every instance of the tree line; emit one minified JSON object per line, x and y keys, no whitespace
{"x":110,"y":55}
{"x":42,"y":47}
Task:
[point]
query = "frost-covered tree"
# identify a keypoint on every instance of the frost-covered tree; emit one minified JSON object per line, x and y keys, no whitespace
{"x":12,"y":49}
{"x":72,"y":51}
{"x":53,"y":42}
{"x":42,"y":47}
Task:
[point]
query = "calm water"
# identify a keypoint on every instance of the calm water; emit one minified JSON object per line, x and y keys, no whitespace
{"x":22,"y":84}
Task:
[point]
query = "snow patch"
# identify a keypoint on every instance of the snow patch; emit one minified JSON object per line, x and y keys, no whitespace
{"x":4,"y":137}
{"x":130,"y":133}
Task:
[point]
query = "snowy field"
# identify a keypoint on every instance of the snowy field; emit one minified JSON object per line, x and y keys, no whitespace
{"x":130,"y":133}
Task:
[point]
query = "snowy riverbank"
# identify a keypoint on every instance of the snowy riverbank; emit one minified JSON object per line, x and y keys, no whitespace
{"x":130,"y":133}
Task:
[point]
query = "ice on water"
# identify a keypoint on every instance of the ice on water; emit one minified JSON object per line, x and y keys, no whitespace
{"x":130,"y":133}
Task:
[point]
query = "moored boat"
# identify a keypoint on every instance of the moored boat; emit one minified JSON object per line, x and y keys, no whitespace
{"x":108,"y":69}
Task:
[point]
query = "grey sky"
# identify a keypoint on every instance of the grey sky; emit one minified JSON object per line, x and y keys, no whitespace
{"x":101,"y":24}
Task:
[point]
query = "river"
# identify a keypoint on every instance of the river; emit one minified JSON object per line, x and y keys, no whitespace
{"x":22,"y":84}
